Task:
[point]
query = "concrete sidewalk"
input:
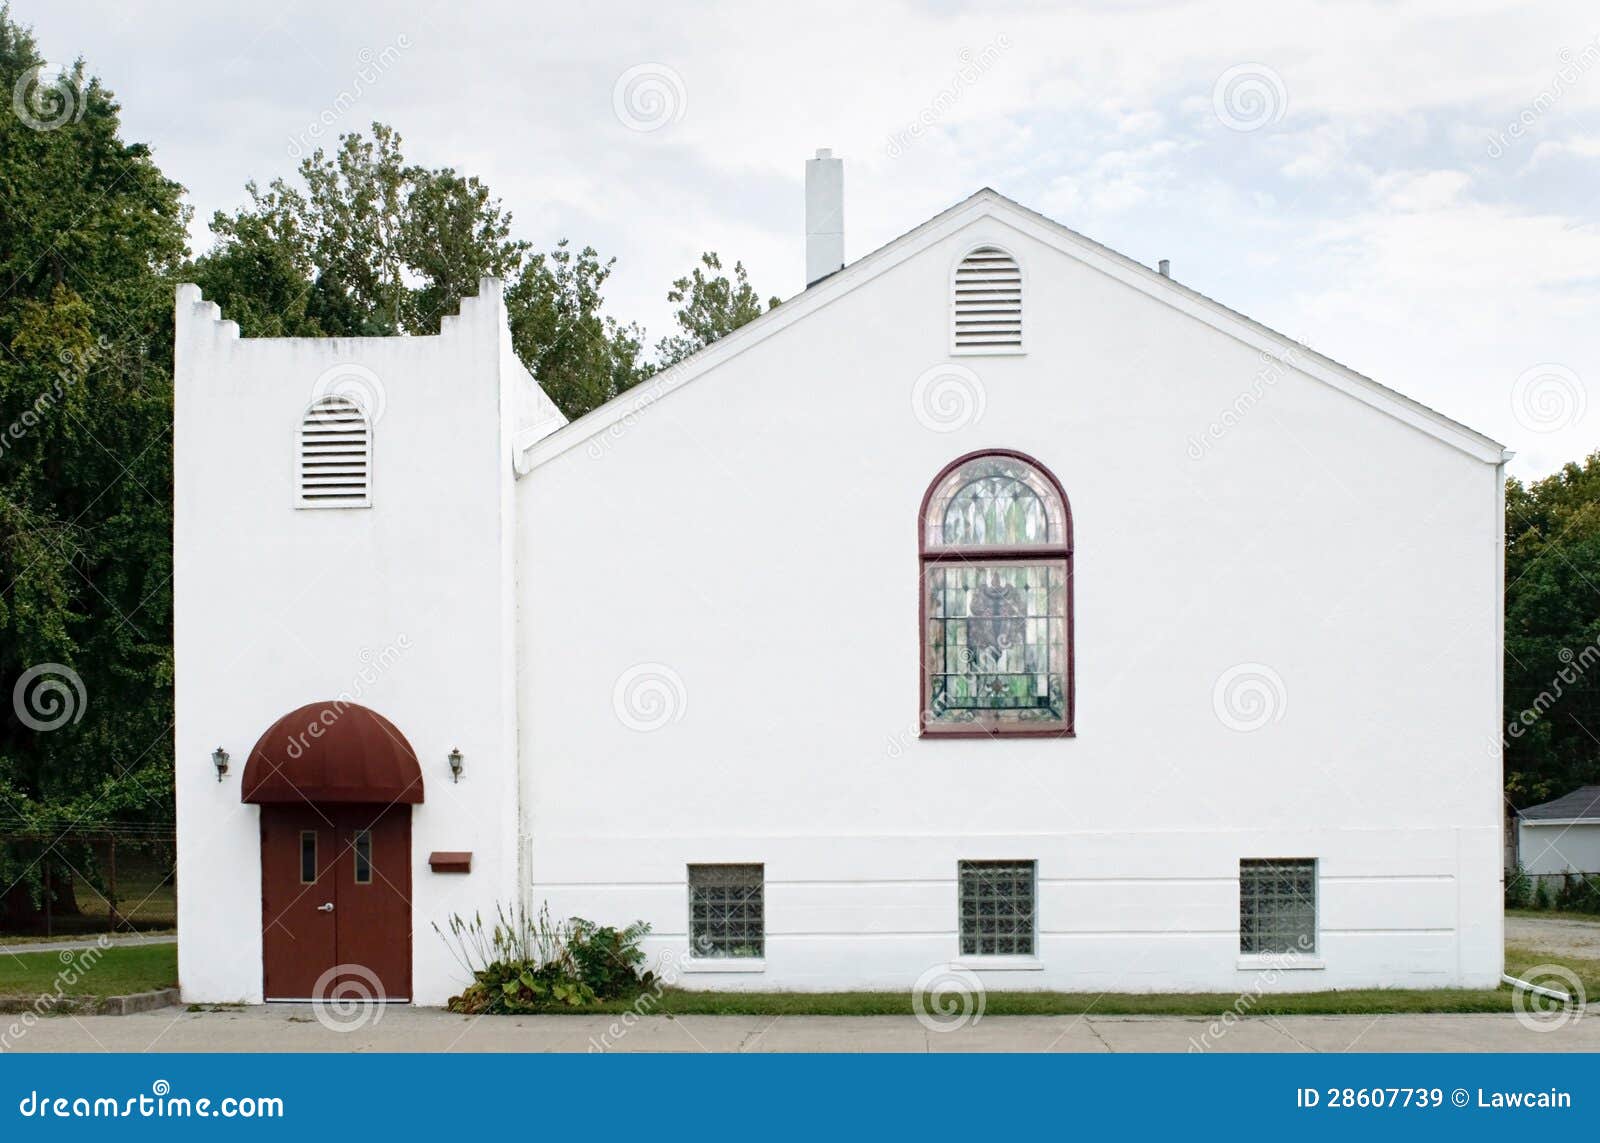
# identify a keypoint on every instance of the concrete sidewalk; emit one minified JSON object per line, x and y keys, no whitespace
{"x":296,"y":1028}
{"x":47,"y":944}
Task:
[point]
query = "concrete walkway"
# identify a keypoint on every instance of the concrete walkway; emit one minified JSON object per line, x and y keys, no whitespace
{"x":47,"y":944}
{"x":296,"y":1028}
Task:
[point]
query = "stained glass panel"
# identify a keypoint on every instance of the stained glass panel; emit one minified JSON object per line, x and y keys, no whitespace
{"x":995,"y":500}
{"x":996,"y":643}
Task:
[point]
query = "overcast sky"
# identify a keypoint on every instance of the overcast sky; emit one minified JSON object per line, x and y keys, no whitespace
{"x":1411,"y":189}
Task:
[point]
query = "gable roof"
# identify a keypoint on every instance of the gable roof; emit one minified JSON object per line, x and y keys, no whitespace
{"x":1582,"y":805}
{"x":988,"y":203}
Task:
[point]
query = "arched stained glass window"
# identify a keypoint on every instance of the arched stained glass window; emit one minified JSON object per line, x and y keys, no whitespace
{"x":996,"y":549}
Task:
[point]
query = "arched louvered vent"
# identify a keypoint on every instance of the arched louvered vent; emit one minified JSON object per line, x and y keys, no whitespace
{"x":988,"y":302}
{"x":335,"y":462}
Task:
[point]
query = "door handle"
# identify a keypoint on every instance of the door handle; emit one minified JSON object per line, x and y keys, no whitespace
{"x":326,"y":907}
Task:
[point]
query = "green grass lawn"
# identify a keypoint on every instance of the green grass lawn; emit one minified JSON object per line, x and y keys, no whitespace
{"x":1520,"y":960}
{"x":1201,"y":1004}
{"x":141,"y":968}
{"x":1555,"y":915}
{"x":113,"y":972}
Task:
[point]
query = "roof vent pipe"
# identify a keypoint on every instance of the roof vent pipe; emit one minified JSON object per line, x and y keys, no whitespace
{"x":824,"y":216}
{"x":1164,"y":267}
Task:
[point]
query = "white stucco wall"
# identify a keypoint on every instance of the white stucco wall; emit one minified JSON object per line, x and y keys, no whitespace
{"x":406,"y":607}
{"x":745,"y":550}
{"x":1559,"y":847}
{"x":749,"y":544}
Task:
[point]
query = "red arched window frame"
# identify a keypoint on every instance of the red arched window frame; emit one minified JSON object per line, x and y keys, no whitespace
{"x":946,"y":626}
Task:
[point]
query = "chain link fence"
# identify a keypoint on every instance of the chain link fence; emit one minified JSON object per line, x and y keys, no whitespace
{"x":115,"y":878}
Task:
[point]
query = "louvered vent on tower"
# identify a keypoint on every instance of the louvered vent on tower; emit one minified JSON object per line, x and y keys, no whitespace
{"x":335,"y":461}
{"x":988,"y":302}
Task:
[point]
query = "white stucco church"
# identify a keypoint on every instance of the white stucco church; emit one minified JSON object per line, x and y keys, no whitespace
{"x":996,"y":602}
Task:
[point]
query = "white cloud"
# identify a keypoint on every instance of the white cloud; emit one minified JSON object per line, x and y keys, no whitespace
{"x":1369,"y":215}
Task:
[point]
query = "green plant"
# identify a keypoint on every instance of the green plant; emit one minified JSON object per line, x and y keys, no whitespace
{"x":1519,"y":889}
{"x":522,"y":963}
{"x":1579,"y":893}
{"x":1541,"y":894}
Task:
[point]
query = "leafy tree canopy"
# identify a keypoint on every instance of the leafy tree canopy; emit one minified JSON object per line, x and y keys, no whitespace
{"x":1552,"y":634}
{"x":91,"y":237}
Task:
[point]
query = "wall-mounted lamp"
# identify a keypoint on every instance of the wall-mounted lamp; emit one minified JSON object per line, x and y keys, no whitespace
{"x":219,"y":759}
{"x":455,"y":765}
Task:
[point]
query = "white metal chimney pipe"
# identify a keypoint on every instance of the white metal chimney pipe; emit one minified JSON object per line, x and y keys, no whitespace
{"x":824,"y":216}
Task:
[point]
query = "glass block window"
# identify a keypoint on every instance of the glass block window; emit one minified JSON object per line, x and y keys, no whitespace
{"x":1278,"y":906}
{"x":726,"y":911}
{"x":997,"y":908}
{"x":997,"y":600}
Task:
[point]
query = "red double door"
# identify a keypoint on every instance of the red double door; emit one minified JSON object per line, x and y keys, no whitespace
{"x":336,"y":901}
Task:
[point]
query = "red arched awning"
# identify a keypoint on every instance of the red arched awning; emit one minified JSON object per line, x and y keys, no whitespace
{"x":332,"y":752}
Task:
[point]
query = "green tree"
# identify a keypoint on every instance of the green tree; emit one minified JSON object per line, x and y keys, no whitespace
{"x":366,"y":245}
{"x":91,"y":234}
{"x":1552,"y":633}
{"x":710,"y":305}
{"x":581,"y":356}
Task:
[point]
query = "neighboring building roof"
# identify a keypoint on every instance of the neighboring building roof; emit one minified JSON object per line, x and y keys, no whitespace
{"x":1582,"y":805}
{"x":990,"y":203}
